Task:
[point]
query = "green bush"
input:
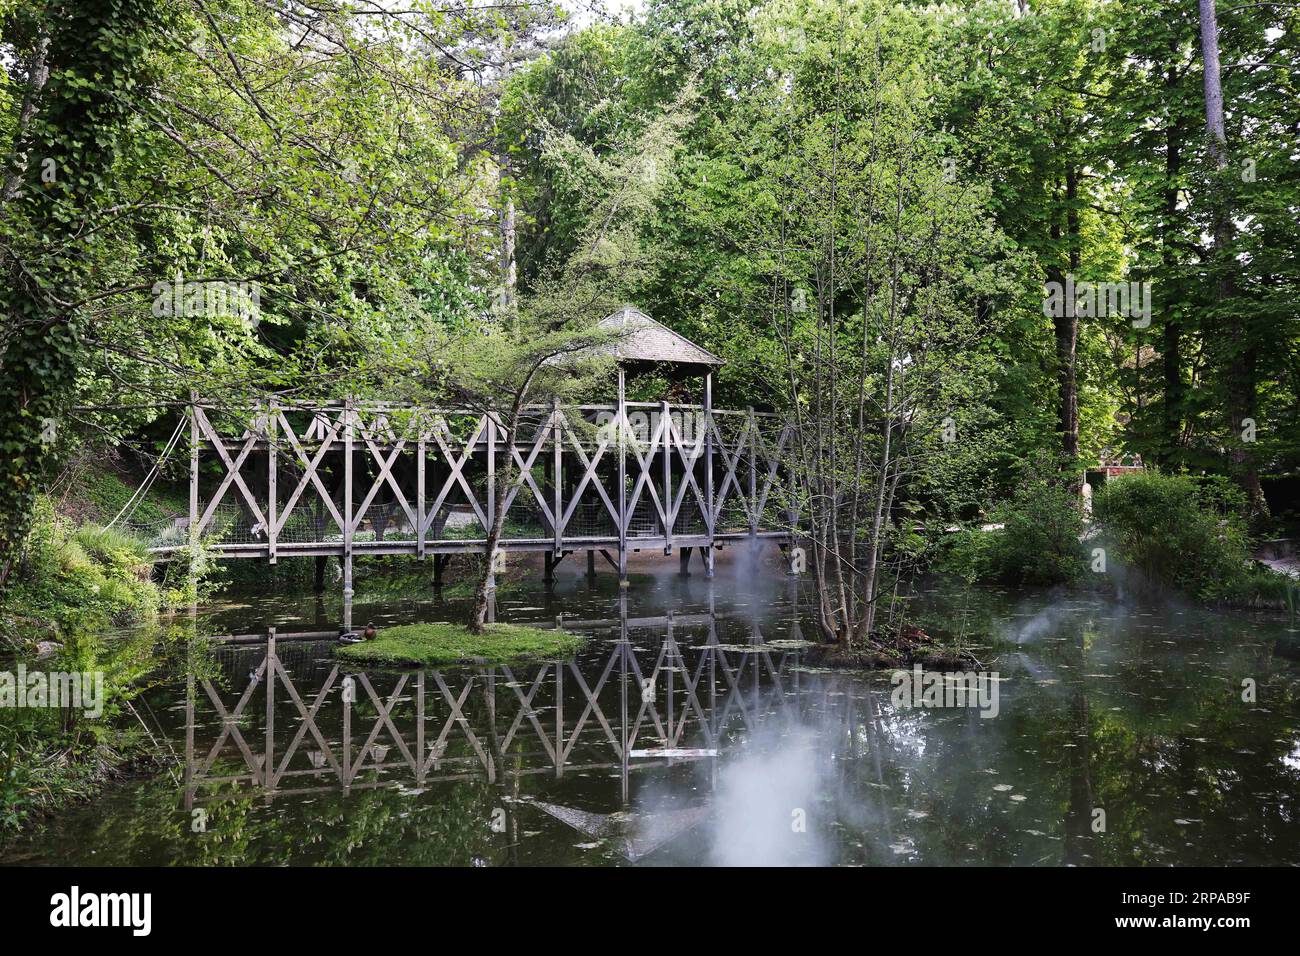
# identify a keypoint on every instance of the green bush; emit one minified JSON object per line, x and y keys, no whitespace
{"x":1172,"y":531}
{"x":1038,"y":543}
{"x":75,"y":578}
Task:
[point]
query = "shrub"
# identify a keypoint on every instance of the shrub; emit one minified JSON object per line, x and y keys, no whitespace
{"x":1172,"y":531}
{"x":1038,"y":543}
{"x":88,"y":577}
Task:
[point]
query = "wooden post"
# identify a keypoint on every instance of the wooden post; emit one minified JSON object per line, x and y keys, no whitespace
{"x":707,"y":552}
{"x":419,"y":490}
{"x":623,"y":516}
{"x":347,"y":500}
{"x":271,"y":465}
{"x":685,"y":566}
{"x":268,"y":768}
{"x":194,"y":495}
{"x":665,"y":436}
{"x":548,"y":574}
{"x":591,"y":563}
{"x":491,"y":429}
{"x":753,"y":473}
{"x":557,"y":437}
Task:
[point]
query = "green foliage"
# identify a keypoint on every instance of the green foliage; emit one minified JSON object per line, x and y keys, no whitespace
{"x":1037,"y":545}
{"x":1171,"y":531}
{"x":79,"y":578}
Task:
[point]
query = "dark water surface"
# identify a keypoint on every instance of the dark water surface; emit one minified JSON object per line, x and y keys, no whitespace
{"x":1133,"y":711}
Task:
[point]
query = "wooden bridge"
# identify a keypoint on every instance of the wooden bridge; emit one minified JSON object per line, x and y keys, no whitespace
{"x":347,"y":478}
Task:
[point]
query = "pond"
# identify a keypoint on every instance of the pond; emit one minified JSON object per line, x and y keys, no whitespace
{"x":691,"y":730}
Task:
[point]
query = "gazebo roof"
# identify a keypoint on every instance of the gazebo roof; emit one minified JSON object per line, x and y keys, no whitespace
{"x":646,"y":340}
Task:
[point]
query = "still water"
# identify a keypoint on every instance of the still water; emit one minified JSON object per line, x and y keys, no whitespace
{"x":690,"y":730}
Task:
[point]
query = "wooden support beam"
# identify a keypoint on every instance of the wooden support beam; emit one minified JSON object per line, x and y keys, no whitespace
{"x":685,"y":564}
{"x":420,"y":530}
{"x":557,"y":472}
{"x":752,"y":433}
{"x":709,"y":516}
{"x":665,"y":442}
{"x":272,"y":503}
{"x":591,"y":564}
{"x":347,"y":499}
{"x":623,"y":516}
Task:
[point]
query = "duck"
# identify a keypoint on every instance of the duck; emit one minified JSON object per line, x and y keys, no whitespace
{"x":369,"y":633}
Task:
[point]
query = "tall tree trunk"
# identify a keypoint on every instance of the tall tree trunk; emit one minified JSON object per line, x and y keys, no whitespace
{"x":1065,"y":328}
{"x":1171,"y":332}
{"x":1242,"y":354}
{"x":38,"y":73}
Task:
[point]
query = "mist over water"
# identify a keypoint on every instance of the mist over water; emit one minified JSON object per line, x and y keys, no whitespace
{"x":763,"y":801}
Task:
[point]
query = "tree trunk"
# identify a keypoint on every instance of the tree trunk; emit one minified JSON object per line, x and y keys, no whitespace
{"x":478,"y":617}
{"x":1065,"y":329}
{"x":1171,"y":332}
{"x":1242,"y":354}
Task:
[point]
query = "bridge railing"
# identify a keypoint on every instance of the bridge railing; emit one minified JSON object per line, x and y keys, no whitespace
{"x":343,"y":478}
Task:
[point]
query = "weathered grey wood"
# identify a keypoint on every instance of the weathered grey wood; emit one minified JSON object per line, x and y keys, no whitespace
{"x":622,"y":480}
{"x":420,"y":529}
{"x":751,"y":432}
{"x":709,"y":516}
{"x":232,"y":475}
{"x":665,"y":431}
{"x":194,"y":475}
{"x":347,"y":499}
{"x":557,"y":472}
{"x":327,"y":435}
{"x":272,"y":499}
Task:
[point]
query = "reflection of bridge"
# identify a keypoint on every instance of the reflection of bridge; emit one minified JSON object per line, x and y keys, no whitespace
{"x":301,"y":721}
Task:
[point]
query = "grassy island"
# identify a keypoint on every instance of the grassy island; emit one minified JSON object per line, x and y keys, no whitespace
{"x":445,"y":643}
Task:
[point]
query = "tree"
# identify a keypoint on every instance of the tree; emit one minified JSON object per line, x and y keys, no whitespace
{"x":881,"y":268}
{"x":519,"y":370}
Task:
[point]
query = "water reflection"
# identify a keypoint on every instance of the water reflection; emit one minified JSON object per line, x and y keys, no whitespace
{"x":283,"y":717}
{"x":691,"y":729}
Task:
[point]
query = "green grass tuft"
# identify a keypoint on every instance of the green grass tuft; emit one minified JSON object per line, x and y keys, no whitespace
{"x":445,"y":643}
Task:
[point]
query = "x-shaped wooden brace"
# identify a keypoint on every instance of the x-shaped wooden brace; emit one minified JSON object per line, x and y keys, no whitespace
{"x":733,"y":462}
{"x":687,"y":458}
{"x":311,"y":474}
{"x":232,"y":471}
{"x":457,"y":715}
{"x":644,"y":478}
{"x":525,"y":475}
{"x":385,"y":473}
{"x":588,"y":476}
{"x":441,"y":434}
{"x":385,"y":719}
{"x":230,"y":726}
{"x":308,"y":721}
{"x":773,"y":462}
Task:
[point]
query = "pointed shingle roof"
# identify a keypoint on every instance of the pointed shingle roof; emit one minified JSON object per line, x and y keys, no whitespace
{"x":645,"y":340}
